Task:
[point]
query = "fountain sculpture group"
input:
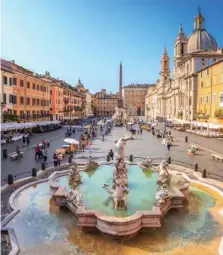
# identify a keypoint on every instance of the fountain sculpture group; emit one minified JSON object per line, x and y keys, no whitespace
{"x":168,"y":196}
{"x":120,"y":116}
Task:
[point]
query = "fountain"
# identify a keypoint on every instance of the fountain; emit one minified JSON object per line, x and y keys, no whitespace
{"x":120,"y":117}
{"x":119,"y":201}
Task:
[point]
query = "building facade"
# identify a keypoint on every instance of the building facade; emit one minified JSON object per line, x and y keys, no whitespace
{"x":177,"y":96}
{"x":134,"y":99}
{"x":210,"y":93}
{"x":106,"y":103}
{"x":27,"y":98}
{"x":151,"y":103}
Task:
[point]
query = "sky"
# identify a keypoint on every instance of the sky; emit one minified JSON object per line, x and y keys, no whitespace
{"x":87,"y":39}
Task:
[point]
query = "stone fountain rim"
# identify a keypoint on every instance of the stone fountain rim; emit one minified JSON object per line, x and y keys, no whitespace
{"x":17,"y":210}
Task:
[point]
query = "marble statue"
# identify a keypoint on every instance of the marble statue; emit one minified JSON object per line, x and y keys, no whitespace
{"x":120,"y":176}
{"x":91,"y":165}
{"x":118,"y":195}
{"x":75,"y":197}
{"x":74,"y":178}
{"x":162,"y":195}
{"x":146,"y":163}
{"x":120,"y":116}
{"x":164,"y":175}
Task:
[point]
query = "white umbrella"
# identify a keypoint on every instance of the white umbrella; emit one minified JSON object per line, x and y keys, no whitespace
{"x":71,"y":141}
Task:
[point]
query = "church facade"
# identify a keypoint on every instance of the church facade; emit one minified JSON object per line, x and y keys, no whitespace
{"x":176,"y":97}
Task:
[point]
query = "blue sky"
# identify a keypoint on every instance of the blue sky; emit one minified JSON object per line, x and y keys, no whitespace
{"x":89,"y":38}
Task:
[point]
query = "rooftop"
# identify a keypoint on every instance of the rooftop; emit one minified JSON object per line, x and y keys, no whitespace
{"x":136,"y":85}
{"x":215,"y":63}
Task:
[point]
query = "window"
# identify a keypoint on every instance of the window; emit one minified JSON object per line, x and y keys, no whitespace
{"x":207,"y":71}
{"x":34,"y":86}
{"x":214,"y":98}
{"x":207,"y":99}
{"x":14,"y":81}
{"x":21,"y":83}
{"x":5,"y":80}
{"x":28,"y":85}
{"x":201,"y":100}
{"x":202,"y":84}
{"x":37,"y":101}
{"x":44,"y":89}
{"x":14,"y":99}
{"x":21,"y":114}
{"x":221,"y":99}
{"x":4,"y":98}
{"x":21,"y":100}
{"x":11,"y":99}
{"x":28,"y":114}
{"x":10,"y":81}
{"x":37,"y":87}
{"x":214,"y":80}
{"x":50,"y":92}
{"x":41,"y":88}
{"x":207,"y":84}
{"x":33,"y":101}
{"x":28,"y":101}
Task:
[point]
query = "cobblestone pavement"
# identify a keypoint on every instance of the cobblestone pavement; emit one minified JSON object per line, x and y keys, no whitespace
{"x":143,"y":146}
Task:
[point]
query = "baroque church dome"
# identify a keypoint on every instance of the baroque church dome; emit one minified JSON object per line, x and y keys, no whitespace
{"x":200,"y":39}
{"x":79,"y":84}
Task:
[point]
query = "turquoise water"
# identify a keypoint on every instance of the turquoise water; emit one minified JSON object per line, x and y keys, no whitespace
{"x":142,"y":186}
{"x":43,"y":228}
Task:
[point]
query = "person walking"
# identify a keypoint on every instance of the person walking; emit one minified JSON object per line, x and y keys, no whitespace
{"x":55,"y":159}
{"x":27,"y":140}
{"x":37,"y":151}
{"x":24,"y":139}
{"x":168,"y":146}
{"x":111,"y":154}
{"x":45,"y":156}
{"x":60,"y":158}
{"x":18,"y":152}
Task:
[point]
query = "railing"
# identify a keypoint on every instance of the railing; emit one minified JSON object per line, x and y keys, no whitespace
{"x":196,"y":167}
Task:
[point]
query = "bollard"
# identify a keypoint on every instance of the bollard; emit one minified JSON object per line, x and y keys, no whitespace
{"x":34,"y":172}
{"x":196,"y":167}
{"x":4,"y":153}
{"x":70,"y":159}
{"x":204,"y":173}
{"x":108,"y":158}
{"x":186,"y":139}
{"x":131,"y":158}
{"x":43,"y":166}
{"x":10,"y":179}
{"x":169,"y":160}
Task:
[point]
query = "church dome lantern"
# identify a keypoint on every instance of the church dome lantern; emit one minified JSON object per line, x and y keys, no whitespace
{"x":79,"y":84}
{"x":200,"y":39}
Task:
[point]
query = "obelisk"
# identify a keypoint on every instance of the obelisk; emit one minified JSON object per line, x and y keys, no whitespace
{"x":120,"y":100}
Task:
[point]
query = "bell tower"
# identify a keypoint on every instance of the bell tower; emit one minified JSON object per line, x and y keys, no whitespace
{"x":164,"y":67}
{"x":180,"y":47}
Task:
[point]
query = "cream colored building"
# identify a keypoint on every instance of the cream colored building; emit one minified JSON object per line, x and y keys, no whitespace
{"x":88,"y":108}
{"x":106,"y":103}
{"x":151,"y":103}
{"x":176,"y":97}
{"x":134,"y":99}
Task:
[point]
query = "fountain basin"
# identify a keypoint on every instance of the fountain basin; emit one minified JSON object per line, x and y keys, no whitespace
{"x":118,"y":227}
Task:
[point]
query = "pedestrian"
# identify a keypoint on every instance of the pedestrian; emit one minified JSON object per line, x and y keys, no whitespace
{"x":37,"y":151}
{"x":55,"y":159}
{"x":60,"y":158}
{"x":111,"y":154}
{"x":27,"y":140}
{"x":45,"y":156}
{"x":41,"y":152}
{"x":168,"y":146}
{"x":18,"y":151}
{"x":141,"y":131}
{"x":24,"y":139}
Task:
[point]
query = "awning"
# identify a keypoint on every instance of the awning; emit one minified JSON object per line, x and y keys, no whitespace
{"x":13,"y":125}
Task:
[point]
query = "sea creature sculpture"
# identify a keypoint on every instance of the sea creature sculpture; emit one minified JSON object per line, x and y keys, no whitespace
{"x":74,"y":177}
{"x":75,"y":197}
{"x":164,"y":175}
{"x":161,"y":196}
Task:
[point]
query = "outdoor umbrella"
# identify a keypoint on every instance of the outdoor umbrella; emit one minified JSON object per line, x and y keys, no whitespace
{"x":71,"y":141}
